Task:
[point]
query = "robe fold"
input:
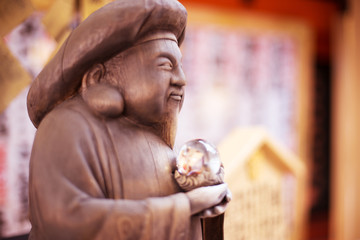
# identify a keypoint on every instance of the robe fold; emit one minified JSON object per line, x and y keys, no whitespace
{"x":94,"y":178}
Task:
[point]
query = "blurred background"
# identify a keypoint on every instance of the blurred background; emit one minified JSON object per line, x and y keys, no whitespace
{"x":289,"y":67}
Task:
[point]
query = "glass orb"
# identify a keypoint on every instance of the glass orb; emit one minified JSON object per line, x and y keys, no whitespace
{"x":196,"y":156}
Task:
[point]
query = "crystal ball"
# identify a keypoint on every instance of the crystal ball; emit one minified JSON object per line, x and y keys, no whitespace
{"x":196,"y":156}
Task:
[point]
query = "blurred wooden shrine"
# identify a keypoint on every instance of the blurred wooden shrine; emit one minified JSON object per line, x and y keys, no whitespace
{"x":268,"y":185}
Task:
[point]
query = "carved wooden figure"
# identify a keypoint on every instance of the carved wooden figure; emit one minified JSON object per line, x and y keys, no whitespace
{"x":106,"y":110}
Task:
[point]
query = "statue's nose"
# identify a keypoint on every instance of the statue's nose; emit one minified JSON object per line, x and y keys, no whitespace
{"x":178,"y":77}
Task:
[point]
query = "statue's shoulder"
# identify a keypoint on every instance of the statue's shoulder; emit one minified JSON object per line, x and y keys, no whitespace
{"x":75,"y":117}
{"x":71,"y":116}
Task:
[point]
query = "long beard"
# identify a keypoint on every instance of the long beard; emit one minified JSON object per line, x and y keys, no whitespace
{"x":166,"y":129}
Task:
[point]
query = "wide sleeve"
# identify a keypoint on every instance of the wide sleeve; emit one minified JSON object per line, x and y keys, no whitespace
{"x":68,"y":197}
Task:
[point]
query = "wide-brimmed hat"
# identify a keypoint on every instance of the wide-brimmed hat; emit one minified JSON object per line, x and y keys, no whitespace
{"x":105,"y":33}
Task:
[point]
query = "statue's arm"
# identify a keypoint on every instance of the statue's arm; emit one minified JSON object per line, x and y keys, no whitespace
{"x":68,"y":200}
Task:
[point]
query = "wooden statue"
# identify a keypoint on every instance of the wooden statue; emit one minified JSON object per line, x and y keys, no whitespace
{"x":106,"y":110}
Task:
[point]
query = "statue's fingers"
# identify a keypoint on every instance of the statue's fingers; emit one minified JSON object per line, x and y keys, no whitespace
{"x":207,"y":213}
{"x":219,"y":209}
{"x":214,"y":211}
{"x":228,"y":196}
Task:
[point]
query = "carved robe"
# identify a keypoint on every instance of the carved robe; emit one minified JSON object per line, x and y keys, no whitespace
{"x":92,"y":178}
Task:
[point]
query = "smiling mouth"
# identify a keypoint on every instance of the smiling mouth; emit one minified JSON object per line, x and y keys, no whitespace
{"x":176,"y":96}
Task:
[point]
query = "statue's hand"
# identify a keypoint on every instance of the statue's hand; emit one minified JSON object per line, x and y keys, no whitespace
{"x":218,"y":209}
{"x":209,"y":201}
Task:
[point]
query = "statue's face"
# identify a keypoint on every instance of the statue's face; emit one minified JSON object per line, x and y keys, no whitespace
{"x":152,"y":81}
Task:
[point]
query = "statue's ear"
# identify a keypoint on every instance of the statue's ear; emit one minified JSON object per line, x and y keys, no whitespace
{"x":102,"y":98}
{"x":93,"y":76}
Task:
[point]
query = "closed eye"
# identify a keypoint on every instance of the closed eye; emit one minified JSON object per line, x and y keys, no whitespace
{"x":165,"y":63}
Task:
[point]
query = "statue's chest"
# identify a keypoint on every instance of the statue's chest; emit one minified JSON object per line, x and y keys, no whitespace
{"x":145,"y":164}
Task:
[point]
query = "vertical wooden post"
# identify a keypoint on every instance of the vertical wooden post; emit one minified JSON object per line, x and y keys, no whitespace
{"x":213,"y":228}
{"x":345,"y":210}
